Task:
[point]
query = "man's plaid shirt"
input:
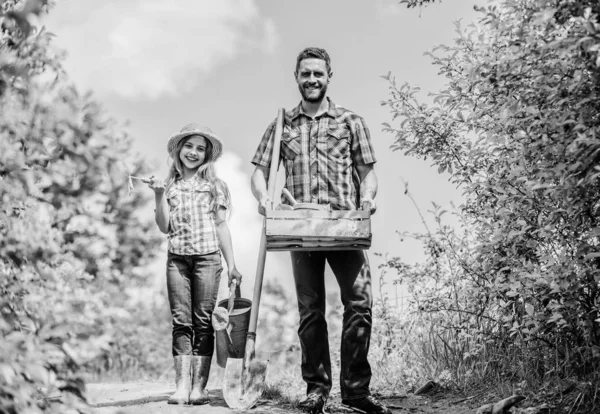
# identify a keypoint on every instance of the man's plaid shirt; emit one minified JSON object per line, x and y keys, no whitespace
{"x":319,"y":155}
{"x":192,"y":228}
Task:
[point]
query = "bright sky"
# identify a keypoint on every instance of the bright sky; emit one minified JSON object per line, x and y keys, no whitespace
{"x":161,"y":64}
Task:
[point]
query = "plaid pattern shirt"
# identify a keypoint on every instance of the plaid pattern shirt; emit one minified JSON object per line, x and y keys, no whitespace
{"x":192,"y":228}
{"x":319,"y":155}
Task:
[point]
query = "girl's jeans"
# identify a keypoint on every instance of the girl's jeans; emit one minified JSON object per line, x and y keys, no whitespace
{"x":192,"y":287}
{"x":351,"y":269}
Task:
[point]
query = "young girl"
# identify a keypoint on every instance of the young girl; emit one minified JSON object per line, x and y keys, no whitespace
{"x":191,"y":208}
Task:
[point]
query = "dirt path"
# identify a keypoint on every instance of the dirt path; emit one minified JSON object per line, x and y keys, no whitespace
{"x":151,"y":397}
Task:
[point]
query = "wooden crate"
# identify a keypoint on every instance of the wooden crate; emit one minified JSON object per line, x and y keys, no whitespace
{"x":318,"y":230}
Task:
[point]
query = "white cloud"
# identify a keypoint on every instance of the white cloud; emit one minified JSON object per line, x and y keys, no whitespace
{"x":246,"y":227}
{"x":151,"y":48}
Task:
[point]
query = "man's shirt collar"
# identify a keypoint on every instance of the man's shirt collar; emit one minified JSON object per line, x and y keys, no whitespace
{"x":332,"y":110}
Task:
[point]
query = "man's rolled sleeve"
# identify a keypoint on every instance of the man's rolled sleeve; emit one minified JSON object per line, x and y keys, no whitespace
{"x":264,"y":152}
{"x":361,"y":145}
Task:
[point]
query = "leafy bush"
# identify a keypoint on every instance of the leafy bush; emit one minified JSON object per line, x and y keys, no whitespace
{"x":70,"y":239}
{"x":516,"y":127}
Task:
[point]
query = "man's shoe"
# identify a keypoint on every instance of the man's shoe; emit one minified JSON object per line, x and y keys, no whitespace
{"x":313,"y":404}
{"x":366,"y":405}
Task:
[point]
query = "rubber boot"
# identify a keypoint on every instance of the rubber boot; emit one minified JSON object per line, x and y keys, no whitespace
{"x":183,"y":380}
{"x":200,"y":372}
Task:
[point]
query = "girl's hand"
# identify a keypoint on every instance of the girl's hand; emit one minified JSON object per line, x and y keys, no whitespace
{"x":235,"y":274}
{"x":156,"y":184}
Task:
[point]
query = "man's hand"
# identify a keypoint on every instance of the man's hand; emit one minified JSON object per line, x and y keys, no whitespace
{"x":234,"y":274}
{"x":367,"y":202}
{"x":259,"y":188}
{"x":157,"y":185}
{"x":263,"y":204}
{"x":368,"y":186}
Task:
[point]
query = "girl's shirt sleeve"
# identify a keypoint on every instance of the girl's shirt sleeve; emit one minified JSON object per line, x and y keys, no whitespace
{"x":221,"y":197}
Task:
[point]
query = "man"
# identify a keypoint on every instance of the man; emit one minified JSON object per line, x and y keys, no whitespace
{"x":328,"y":158}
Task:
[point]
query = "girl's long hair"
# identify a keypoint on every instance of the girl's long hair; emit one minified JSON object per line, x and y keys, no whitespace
{"x":206,"y":171}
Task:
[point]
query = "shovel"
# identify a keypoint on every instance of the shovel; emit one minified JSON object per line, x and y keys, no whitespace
{"x":244,"y":379}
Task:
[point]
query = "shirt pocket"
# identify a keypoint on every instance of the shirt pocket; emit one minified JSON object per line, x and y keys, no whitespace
{"x":290,"y":144}
{"x":203,"y":199}
{"x":338,"y":142}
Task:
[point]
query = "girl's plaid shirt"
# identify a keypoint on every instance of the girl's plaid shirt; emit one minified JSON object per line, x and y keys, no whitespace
{"x":192,"y":227}
{"x":319,"y":155}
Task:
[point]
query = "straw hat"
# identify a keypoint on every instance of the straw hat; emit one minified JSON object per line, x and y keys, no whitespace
{"x":196,"y":129}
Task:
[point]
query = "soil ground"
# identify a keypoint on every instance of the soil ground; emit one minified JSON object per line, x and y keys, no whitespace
{"x":151,"y":397}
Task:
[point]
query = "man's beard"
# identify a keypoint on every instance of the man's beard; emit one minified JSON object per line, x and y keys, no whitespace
{"x":306,"y":94}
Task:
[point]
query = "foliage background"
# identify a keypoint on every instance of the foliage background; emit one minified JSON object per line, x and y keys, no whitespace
{"x":509,"y":298}
{"x":513,"y":293}
{"x":71,"y":246}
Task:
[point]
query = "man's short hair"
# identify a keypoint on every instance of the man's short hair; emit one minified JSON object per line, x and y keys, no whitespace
{"x":314,"y":53}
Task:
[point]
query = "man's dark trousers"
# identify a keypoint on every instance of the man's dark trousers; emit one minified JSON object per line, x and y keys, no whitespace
{"x":351,"y":269}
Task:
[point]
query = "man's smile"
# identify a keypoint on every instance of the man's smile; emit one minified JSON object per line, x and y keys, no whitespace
{"x":311,"y":90}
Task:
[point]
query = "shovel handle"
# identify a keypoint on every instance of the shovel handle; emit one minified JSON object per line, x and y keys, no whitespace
{"x":258,"y":281}
{"x":262,"y":250}
{"x":275,"y":156}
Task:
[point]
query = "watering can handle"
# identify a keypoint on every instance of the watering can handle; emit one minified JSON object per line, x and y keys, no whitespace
{"x":234,"y":292}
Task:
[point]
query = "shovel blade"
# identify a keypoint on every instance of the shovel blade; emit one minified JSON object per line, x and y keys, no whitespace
{"x":244,"y":382}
